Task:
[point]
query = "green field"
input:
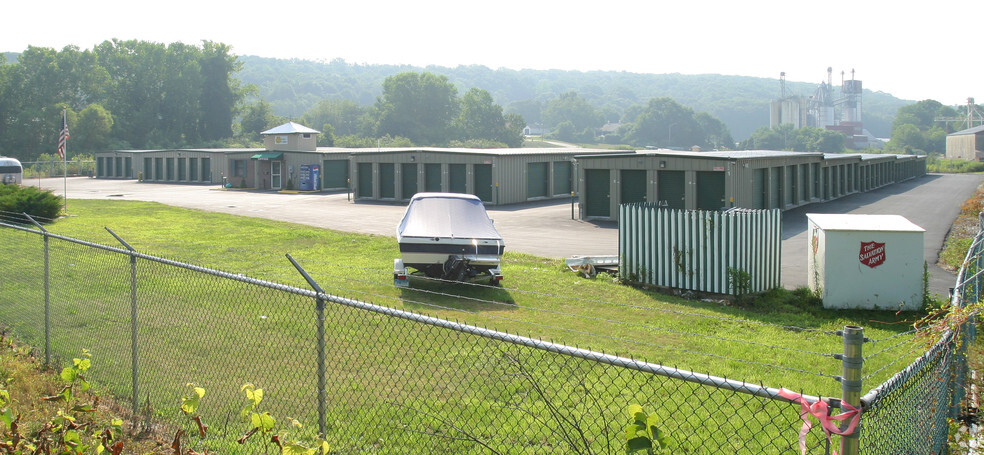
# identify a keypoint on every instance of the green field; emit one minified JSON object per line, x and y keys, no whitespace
{"x":446,"y":389}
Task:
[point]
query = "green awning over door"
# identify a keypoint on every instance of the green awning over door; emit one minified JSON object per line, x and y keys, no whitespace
{"x":269,"y":156}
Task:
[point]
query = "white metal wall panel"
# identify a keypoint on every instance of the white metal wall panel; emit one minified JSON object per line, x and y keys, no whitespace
{"x":695,"y":249}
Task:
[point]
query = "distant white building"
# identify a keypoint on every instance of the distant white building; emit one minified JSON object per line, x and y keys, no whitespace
{"x":535,"y":130}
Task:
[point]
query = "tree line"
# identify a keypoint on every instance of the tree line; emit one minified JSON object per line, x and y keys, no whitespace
{"x":921,"y":128}
{"x":119,"y":95}
{"x":785,"y":137}
{"x":144,"y":95}
{"x":137,"y":94}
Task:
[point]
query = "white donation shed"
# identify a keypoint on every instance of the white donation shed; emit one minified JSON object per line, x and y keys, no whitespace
{"x":872,"y":262}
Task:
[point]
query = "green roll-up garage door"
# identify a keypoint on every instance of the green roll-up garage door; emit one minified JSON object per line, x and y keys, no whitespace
{"x":561,"y":177}
{"x":365,"y":180}
{"x":671,"y":187}
{"x":710,"y":190}
{"x":536,"y":180}
{"x":483,"y":182}
{"x":432,"y":177}
{"x":334,"y":174}
{"x":597,"y":193}
{"x":633,"y":186}
{"x":457,"y":178}
{"x":408,"y":180}
{"x":760,"y":198}
{"x":792,"y":188}
{"x":387,"y":181}
{"x":804,"y":179}
{"x":775,"y":187}
{"x":826,"y":183}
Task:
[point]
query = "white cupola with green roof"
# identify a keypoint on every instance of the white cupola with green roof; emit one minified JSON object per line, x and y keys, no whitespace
{"x":291,"y":137}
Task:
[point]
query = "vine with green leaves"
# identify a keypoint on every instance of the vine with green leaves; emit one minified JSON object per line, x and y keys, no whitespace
{"x":642,"y":435}
{"x":71,"y":431}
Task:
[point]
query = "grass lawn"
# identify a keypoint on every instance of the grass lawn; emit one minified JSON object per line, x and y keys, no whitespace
{"x":208,"y":330}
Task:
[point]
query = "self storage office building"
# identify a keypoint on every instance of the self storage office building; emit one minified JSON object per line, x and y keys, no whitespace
{"x":720,"y":180}
{"x":496,"y":176}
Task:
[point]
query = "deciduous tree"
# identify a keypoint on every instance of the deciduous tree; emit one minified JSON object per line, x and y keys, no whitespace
{"x":418,"y":106}
{"x":569,"y":107}
{"x":92,"y":129}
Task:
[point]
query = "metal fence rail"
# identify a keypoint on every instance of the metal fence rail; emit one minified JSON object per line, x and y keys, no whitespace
{"x":376,"y":379}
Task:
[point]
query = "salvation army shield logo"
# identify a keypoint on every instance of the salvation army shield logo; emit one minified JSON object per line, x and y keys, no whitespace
{"x":872,"y":254}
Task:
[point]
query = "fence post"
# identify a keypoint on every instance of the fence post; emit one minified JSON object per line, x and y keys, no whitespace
{"x":47,"y":291}
{"x":320,"y":311}
{"x":851,"y":383}
{"x":968,"y":290}
{"x":134,"y":358}
{"x":958,"y":371}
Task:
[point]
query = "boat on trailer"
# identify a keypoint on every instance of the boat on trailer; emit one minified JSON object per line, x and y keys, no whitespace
{"x":448,"y":236}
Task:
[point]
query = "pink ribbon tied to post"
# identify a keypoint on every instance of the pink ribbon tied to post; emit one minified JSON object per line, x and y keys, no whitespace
{"x":820,"y":411}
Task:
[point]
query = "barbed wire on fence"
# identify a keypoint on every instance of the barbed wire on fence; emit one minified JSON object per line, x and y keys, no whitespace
{"x":889,"y":364}
{"x":596,"y":335}
{"x":273,"y":258}
{"x":886,"y":349}
{"x":592,"y":318}
{"x":891,"y":386}
{"x":537,"y":309}
{"x":388,"y":284}
{"x":180,"y":252}
{"x":18,"y":218}
{"x":891,"y":337}
{"x":572,"y":298}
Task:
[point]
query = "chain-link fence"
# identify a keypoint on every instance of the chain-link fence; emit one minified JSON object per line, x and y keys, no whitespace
{"x":55,"y":167}
{"x":912,"y":411}
{"x":376,"y":379}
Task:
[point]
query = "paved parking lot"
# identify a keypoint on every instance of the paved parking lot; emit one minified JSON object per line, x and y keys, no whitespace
{"x":546,"y":228}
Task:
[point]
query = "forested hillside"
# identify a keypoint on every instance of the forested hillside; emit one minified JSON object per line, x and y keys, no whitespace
{"x":293,"y":87}
{"x":136,"y":94}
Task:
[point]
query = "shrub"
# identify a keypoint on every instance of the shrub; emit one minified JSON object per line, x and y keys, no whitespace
{"x":42,"y":205}
{"x":972,"y":166}
{"x":954,"y":252}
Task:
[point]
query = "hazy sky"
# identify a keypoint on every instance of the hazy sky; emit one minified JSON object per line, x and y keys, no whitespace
{"x":908,"y":49}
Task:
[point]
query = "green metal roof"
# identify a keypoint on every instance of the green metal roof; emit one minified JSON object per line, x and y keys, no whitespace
{"x":269,"y":156}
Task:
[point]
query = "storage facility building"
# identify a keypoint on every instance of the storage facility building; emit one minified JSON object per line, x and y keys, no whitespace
{"x":602,"y":179}
{"x":496,"y":176}
{"x":719,"y":180}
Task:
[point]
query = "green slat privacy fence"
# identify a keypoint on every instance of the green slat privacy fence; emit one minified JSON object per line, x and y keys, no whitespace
{"x":727,"y":252}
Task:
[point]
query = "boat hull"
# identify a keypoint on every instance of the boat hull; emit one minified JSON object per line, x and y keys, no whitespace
{"x":421,"y":252}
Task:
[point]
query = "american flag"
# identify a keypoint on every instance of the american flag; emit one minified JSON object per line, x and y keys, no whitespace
{"x":63,"y":136}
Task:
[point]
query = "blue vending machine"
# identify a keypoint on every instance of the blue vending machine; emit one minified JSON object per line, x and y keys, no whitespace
{"x":309,"y":178}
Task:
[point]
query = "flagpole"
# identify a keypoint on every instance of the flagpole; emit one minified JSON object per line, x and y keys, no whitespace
{"x":65,"y":175}
{"x":63,"y":136}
